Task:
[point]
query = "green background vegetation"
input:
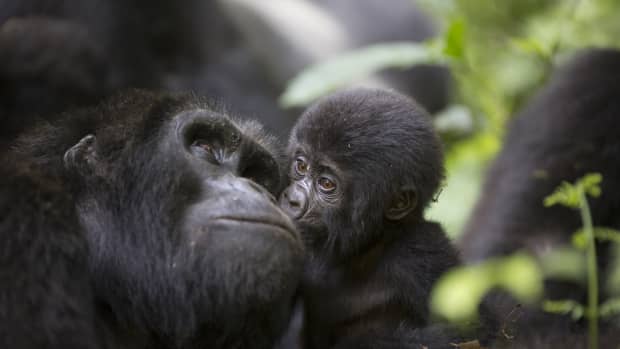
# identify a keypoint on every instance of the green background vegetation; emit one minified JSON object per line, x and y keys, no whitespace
{"x":499,"y":52}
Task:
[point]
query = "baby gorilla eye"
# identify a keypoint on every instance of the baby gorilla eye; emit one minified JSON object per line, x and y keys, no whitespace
{"x":326,"y":185}
{"x":301,"y":167}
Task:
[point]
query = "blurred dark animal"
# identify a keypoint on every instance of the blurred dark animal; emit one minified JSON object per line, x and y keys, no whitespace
{"x":56,"y":55}
{"x":570,"y":128}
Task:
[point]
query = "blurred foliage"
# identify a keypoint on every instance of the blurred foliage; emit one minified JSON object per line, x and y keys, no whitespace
{"x":600,"y":234}
{"x":564,"y":263}
{"x":570,"y":195}
{"x":571,"y":307}
{"x":331,"y":75}
{"x":574,"y":195}
{"x":499,"y":53}
{"x":458,"y":293}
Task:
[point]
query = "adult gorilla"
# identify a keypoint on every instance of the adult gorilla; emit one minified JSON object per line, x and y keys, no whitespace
{"x":148,"y":222}
{"x":568,"y":129}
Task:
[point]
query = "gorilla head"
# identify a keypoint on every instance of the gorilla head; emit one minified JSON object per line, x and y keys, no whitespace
{"x":186,"y":244}
{"x":364,"y":164}
{"x":360,"y":160}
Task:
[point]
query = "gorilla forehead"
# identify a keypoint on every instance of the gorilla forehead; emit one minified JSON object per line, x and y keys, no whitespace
{"x":124,"y":122}
{"x":364,"y":126}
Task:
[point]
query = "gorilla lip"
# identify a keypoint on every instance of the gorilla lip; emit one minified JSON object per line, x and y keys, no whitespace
{"x":257,"y":220}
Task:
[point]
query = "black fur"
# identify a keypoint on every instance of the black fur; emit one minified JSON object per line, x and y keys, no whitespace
{"x":147,"y":222}
{"x":73,"y":53}
{"x":46,"y":66}
{"x":566,"y":131}
{"x":570,"y":128}
{"x":45,"y":298}
{"x":368,"y":278}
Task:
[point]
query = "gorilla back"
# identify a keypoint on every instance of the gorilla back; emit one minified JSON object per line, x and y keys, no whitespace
{"x":569,"y":129}
{"x":185,"y":244}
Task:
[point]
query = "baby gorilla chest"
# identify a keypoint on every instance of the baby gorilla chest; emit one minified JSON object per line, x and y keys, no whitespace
{"x":336,"y":308}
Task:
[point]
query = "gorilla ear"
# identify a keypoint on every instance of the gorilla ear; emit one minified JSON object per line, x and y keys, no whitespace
{"x":81,"y":156}
{"x":402,"y":204}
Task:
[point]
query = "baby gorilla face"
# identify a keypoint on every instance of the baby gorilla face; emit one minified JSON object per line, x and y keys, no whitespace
{"x":317,"y":189}
{"x":359,"y":160}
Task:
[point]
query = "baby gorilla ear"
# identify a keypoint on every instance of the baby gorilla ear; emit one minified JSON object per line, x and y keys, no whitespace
{"x":402,"y":204}
{"x":81,"y":157}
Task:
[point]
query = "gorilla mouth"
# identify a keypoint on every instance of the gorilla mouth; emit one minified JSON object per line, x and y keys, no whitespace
{"x":282,"y":225}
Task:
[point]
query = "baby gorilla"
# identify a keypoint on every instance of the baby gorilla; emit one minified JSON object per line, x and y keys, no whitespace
{"x":364,"y":165}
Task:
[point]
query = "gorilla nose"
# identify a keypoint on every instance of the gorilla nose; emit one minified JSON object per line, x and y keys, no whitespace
{"x":261,"y":190}
{"x":293,"y":202}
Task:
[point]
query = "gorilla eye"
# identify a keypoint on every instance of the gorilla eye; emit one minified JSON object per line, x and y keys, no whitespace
{"x":301,"y":167}
{"x":326,"y":185}
{"x":206,"y":148}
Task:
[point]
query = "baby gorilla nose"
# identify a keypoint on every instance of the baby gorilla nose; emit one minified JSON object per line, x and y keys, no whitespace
{"x":293,"y":201}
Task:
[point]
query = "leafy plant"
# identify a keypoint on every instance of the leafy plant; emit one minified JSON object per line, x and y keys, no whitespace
{"x":498,"y":53}
{"x":458,"y":293}
{"x":575,"y":196}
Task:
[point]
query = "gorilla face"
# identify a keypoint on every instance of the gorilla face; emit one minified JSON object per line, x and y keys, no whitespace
{"x":361,"y":160}
{"x":186,"y":241}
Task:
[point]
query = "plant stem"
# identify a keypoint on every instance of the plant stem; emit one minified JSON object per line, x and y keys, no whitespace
{"x":586,"y":219}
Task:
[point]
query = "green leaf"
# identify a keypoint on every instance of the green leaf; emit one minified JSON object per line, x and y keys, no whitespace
{"x":329,"y":75}
{"x":568,"y":194}
{"x":610,"y":307}
{"x":591,"y":184}
{"x":580,"y":240}
{"x":564,"y":307}
{"x":454,"y":39}
{"x":458,"y":293}
{"x":531,"y":46}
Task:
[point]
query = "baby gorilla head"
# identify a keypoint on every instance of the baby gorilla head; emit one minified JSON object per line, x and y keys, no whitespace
{"x":360,"y":160}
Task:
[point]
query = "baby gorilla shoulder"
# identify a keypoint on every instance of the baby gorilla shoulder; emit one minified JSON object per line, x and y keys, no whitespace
{"x":364,"y":164}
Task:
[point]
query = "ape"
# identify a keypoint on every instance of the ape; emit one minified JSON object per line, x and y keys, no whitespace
{"x":564,"y":133}
{"x":46,"y":66}
{"x":71,"y":53}
{"x":364,"y":166}
{"x":567,"y":130}
{"x":147,"y":222}
{"x":45,"y":299}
